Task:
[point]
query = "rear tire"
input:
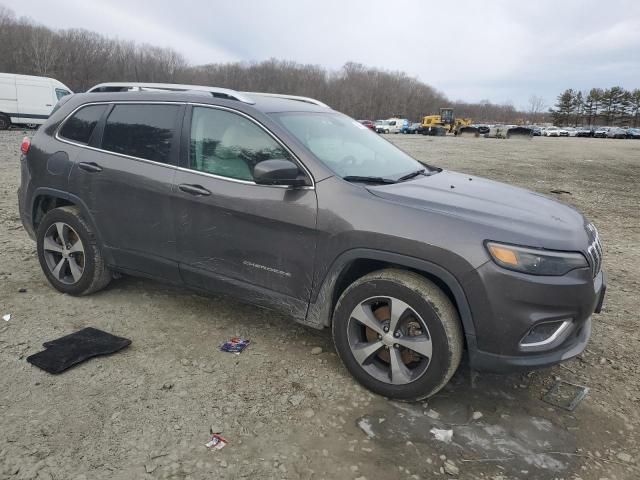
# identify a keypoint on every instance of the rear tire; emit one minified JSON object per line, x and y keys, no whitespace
{"x":5,"y":122}
{"x":398,"y":334}
{"x":69,"y":254}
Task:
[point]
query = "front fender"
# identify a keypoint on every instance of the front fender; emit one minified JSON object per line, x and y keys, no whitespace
{"x":320,"y":310}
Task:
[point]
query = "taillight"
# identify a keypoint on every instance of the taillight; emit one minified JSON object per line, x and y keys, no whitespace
{"x":24,"y":147}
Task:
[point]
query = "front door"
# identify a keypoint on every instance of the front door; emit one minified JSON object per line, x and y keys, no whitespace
{"x":233,"y":235}
{"x":127,"y":184}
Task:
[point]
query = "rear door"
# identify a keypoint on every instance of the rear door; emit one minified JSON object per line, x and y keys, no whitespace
{"x":36,"y":99}
{"x":125,"y":176}
{"x":8,"y":99}
{"x":233,"y":235}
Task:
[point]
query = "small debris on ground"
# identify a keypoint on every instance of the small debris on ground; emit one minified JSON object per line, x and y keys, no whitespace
{"x":365,"y":426}
{"x":6,"y":317}
{"x":22,"y":290}
{"x":442,"y":435}
{"x":316,"y":350}
{"x":451,"y":468}
{"x":235,"y":345}
{"x":216,"y":442}
{"x":565,"y":395}
{"x":167,"y":386}
{"x":296,"y":399}
{"x":560,"y":192}
{"x":625,"y":457}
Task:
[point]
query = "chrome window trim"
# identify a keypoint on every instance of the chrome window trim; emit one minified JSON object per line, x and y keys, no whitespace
{"x":176,"y":167}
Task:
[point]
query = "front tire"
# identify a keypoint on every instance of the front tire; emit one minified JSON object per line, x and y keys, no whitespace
{"x":398,"y":334}
{"x":68,"y":253}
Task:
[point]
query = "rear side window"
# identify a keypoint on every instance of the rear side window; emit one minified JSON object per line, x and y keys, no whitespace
{"x":142,"y":131}
{"x":82,"y":123}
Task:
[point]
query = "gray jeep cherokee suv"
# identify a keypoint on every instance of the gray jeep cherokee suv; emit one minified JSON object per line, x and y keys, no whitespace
{"x":288,"y":204}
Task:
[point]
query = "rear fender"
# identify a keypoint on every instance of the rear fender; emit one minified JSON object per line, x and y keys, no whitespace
{"x":78,"y":202}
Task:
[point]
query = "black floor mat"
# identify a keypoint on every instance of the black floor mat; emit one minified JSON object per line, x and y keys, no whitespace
{"x":67,"y":351}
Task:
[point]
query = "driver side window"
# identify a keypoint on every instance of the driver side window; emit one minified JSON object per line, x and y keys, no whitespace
{"x":229,"y":145}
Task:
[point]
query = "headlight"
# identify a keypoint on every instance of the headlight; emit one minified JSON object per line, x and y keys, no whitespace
{"x":533,"y":261}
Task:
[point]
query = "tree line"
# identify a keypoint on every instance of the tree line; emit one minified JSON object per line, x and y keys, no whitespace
{"x":610,"y":106}
{"x":81,"y":59}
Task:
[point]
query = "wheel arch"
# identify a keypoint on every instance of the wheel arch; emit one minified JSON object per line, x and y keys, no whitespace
{"x":356,"y":263}
{"x":45,"y":199}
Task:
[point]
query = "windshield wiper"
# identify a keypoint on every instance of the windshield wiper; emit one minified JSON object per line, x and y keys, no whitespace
{"x":357,"y":178}
{"x":411,"y":175}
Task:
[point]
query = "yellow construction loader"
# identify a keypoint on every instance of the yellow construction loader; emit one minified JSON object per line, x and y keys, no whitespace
{"x":443,"y":123}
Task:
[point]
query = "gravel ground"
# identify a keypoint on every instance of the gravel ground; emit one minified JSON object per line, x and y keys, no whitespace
{"x":291,"y":412}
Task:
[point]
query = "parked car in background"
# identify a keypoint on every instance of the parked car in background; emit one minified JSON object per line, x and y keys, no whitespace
{"x":412,"y":128}
{"x":397,"y":124}
{"x":584,"y":132}
{"x":382,"y":126}
{"x":551,"y":132}
{"x":633,"y":133}
{"x":617,"y":132}
{"x":536,"y":131}
{"x":269,"y":212}
{"x":482,"y":129}
{"x":601,"y":132}
{"x":563,"y":132}
{"x":571,"y":131}
{"x":28,"y":100}
{"x":369,"y":124}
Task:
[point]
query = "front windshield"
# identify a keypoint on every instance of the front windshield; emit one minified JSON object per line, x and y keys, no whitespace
{"x":346,"y":146}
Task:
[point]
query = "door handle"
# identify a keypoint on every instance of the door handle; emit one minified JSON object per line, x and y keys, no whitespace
{"x":197,"y":190}
{"x":90,"y":167}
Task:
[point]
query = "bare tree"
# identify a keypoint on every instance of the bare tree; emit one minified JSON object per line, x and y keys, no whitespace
{"x":536,"y":107}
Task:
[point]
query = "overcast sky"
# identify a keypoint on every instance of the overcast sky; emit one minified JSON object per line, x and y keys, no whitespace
{"x":496,"y":50}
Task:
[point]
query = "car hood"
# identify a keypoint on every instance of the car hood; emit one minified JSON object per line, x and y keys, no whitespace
{"x":514,"y":214}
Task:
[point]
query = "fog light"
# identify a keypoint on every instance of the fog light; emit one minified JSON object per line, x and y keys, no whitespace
{"x":545,"y":333}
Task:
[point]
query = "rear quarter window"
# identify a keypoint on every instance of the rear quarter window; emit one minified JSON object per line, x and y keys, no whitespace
{"x":142,"y":131}
{"x":80,"y":126}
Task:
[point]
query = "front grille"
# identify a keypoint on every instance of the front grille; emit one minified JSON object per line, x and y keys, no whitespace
{"x":594,"y":252}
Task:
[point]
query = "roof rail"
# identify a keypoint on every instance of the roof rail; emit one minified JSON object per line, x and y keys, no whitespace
{"x":244,"y":97}
{"x":170,"y":87}
{"x":312,"y":101}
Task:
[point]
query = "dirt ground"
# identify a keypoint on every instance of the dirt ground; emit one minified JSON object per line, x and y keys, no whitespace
{"x":146,"y":412}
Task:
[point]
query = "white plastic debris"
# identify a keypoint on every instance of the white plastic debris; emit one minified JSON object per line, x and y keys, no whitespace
{"x":442,"y":435}
{"x":6,"y":317}
{"x":365,"y":426}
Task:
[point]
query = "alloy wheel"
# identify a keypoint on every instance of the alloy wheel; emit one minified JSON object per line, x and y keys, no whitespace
{"x":64,"y":253}
{"x":389,"y":340}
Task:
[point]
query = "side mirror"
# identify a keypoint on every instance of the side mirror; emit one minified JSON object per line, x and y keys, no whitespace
{"x":278,"y":172}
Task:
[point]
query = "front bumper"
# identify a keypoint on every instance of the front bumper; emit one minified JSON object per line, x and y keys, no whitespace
{"x":507,"y":305}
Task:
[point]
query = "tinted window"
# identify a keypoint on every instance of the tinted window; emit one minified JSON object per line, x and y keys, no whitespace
{"x":229,"y":145}
{"x":143,"y":131}
{"x":81,"y":125}
{"x":61,"y":93}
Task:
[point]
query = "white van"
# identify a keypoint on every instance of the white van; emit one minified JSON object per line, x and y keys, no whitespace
{"x":27,"y":100}
{"x":397,"y":124}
